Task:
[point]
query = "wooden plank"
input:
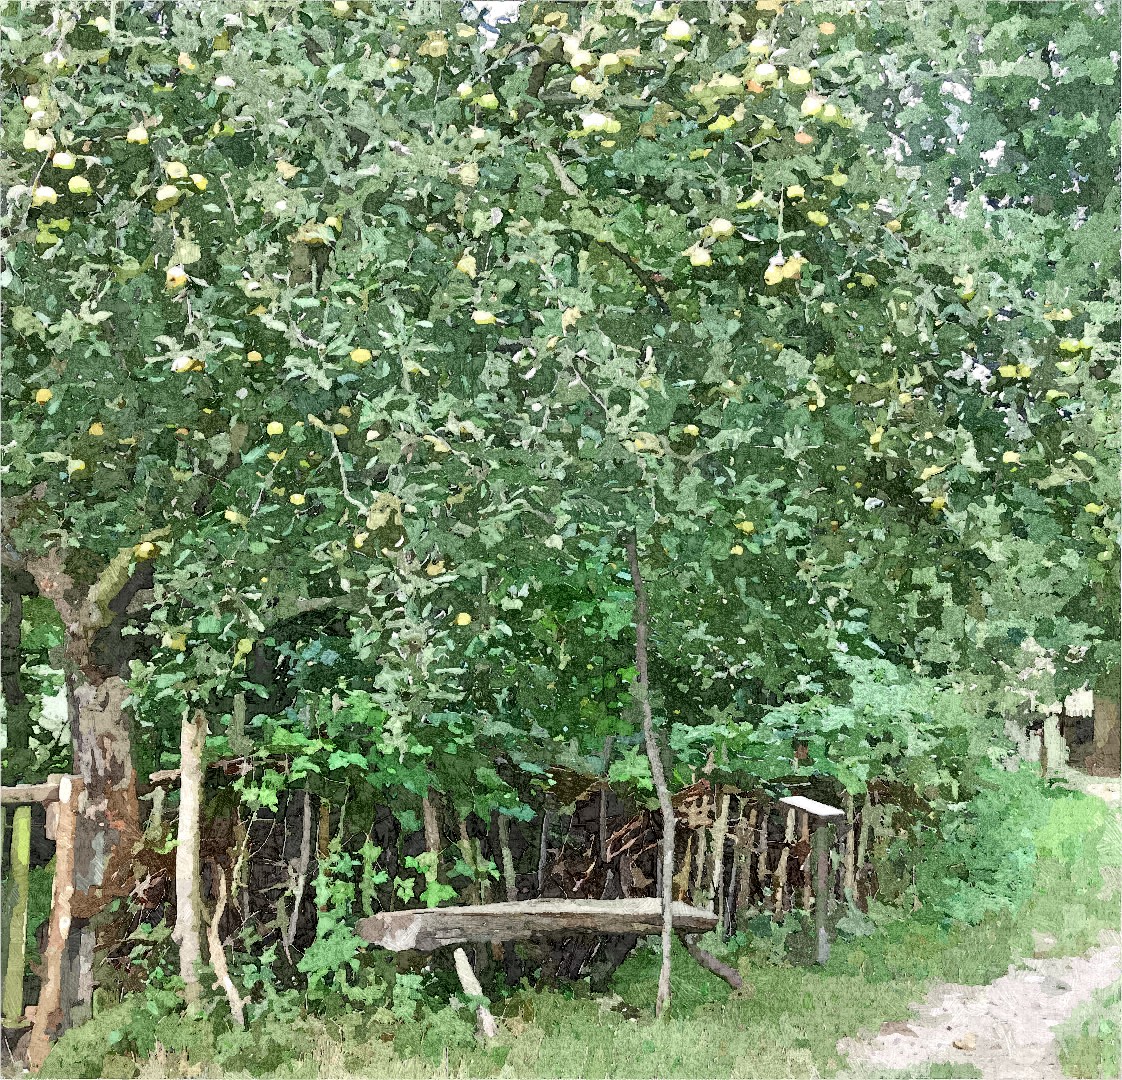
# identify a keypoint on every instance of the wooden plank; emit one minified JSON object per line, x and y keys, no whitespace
{"x":815,"y":809}
{"x":425,"y":930}
{"x":22,"y":794}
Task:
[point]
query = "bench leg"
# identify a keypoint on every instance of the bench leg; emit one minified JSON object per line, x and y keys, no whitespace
{"x":472,"y":988}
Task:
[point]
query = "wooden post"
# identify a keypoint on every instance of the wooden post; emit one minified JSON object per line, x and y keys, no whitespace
{"x":745,"y":843}
{"x":720,"y":832}
{"x":17,"y":928}
{"x":509,"y":879}
{"x":862,"y":841}
{"x":823,"y":815}
{"x":48,"y":1013}
{"x":468,"y":855}
{"x":761,"y":850}
{"x":804,"y":838}
{"x":850,"y":848}
{"x":543,"y":847}
{"x":822,"y":864}
{"x":699,"y":874}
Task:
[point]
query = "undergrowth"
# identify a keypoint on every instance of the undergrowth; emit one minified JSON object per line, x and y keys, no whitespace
{"x":786,"y":1021}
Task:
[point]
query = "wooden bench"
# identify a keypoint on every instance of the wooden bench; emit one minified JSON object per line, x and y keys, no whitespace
{"x":427,"y":929}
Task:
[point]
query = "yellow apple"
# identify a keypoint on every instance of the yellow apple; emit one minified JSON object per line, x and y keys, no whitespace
{"x":78,"y":185}
{"x":275,"y":427}
{"x":483,"y":318}
{"x":42,"y":194}
{"x":63,"y":160}
{"x":42,"y":396}
{"x":175,"y":169}
{"x":175,"y":277}
{"x":138,"y":135}
{"x":360,"y":356}
{"x":296,"y":499}
{"x":678,"y":30}
{"x":96,"y":429}
{"x":463,"y":619}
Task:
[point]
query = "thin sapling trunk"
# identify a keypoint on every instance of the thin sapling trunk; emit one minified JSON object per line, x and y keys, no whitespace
{"x":658,"y":776}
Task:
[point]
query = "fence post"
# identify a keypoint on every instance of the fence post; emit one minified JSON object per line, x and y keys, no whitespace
{"x":48,"y":1013}
{"x":823,"y":815}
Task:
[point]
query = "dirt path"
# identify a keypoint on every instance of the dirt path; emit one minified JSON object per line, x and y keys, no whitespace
{"x":1004,"y":1029}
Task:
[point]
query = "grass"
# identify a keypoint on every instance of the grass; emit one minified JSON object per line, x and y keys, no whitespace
{"x":1089,"y":1043}
{"x":785,"y":1022}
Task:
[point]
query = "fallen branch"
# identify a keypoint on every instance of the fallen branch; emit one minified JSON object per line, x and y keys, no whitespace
{"x":710,"y":962}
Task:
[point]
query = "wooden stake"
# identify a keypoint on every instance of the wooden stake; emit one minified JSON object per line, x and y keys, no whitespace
{"x":850,"y":848}
{"x":472,"y":988}
{"x":863,"y":840}
{"x":804,"y":838}
{"x":17,"y":928}
{"x":323,"y":841}
{"x":48,"y":1013}
{"x":432,"y":835}
{"x":605,"y":761}
{"x":781,"y":870}
{"x":720,"y":833}
{"x":301,"y":875}
{"x":699,"y":875}
{"x":761,"y":850}
{"x":745,"y":843}
{"x":468,"y":856}
{"x":509,"y":879}
{"x":543,"y":846}
{"x":188,"y":893}
{"x":821,"y":897}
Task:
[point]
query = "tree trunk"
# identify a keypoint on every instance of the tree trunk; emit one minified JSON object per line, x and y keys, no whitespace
{"x":650,"y":742}
{"x":188,"y":891}
{"x":108,"y":826}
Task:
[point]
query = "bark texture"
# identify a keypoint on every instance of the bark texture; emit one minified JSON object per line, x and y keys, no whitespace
{"x":427,"y":929}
